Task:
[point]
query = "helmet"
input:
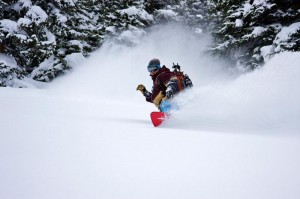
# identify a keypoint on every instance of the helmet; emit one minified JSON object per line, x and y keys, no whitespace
{"x":154,"y":64}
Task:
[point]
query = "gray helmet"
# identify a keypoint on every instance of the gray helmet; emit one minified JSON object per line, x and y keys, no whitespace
{"x":154,"y":62}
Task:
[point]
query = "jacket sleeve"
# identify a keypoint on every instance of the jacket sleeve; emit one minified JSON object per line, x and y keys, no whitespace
{"x":148,"y":96}
{"x":171,"y":83}
{"x":172,"y":86}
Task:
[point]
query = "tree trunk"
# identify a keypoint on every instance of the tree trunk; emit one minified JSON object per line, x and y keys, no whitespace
{"x":1,"y":48}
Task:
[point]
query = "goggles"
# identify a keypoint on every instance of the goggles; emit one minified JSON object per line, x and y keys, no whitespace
{"x":152,"y":68}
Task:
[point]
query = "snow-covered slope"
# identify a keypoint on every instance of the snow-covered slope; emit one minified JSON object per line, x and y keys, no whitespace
{"x":88,"y":134}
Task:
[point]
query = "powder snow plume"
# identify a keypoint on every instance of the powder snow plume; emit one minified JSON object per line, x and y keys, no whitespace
{"x":120,"y":65}
{"x":265,"y":99}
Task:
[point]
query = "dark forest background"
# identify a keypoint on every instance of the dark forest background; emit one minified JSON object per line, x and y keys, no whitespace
{"x":36,"y":36}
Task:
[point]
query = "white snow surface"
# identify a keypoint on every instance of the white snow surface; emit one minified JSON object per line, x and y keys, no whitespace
{"x":88,"y":134}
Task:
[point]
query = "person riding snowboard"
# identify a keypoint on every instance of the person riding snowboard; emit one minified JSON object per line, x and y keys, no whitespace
{"x":166,"y":84}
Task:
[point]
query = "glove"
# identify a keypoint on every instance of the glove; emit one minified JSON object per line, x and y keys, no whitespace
{"x":188,"y":81}
{"x":169,"y":94}
{"x":141,"y":88}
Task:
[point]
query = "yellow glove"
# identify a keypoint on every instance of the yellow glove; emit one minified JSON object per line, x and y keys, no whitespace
{"x":141,"y":88}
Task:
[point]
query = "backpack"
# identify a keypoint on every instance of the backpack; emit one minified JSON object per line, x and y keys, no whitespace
{"x":183,"y":79}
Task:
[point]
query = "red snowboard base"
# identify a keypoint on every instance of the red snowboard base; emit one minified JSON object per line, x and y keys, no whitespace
{"x":158,"y":117}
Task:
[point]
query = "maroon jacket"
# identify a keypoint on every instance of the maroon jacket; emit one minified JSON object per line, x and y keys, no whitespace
{"x":160,"y":80}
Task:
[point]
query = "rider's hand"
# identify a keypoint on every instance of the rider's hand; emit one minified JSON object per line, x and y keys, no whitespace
{"x":141,"y":88}
{"x":169,"y":95}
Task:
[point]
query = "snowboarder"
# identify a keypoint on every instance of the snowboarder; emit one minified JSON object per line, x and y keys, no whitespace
{"x":166,"y":84}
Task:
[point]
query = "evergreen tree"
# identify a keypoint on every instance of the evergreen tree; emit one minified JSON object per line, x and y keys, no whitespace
{"x":37,"y":36}
{"x":190,"y":12}
{"x":152,"y":5}
{"x":9,"y":71}
{"x":194,"y":13}
{"x":28,"y":42}
{"x":9,"y":30}
{"x":249,"y":30}
{"x":75,"y":29}
{"x":117,"y":17}
{"x":46,"y":32}
{"x":2,"y":14}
